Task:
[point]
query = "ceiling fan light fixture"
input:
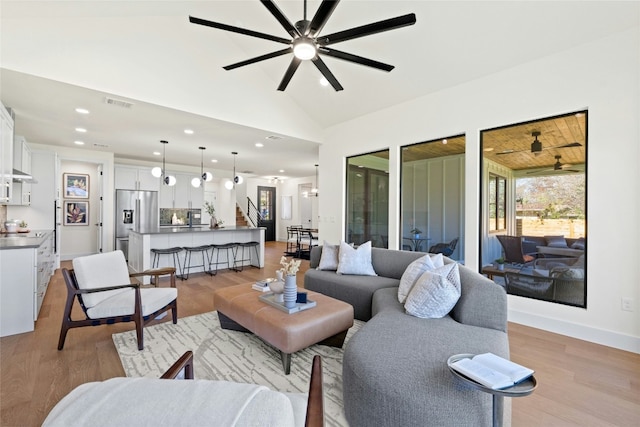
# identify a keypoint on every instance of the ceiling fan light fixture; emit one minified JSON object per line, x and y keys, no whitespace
{"x":536,"y":146}
{"x":304,"y":48}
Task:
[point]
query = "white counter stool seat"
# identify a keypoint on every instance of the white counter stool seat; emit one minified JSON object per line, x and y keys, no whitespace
{"x":243,"y":246}
{"x":174,"y":252}
{"x":230,"y":248}
{"x":204,"y":252}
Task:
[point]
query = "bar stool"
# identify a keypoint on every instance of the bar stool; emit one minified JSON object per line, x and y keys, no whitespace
{"x":247,"y":245}
{"x":225,"y":246}
{"x":175,"y":251}
{"x":204,"y":251}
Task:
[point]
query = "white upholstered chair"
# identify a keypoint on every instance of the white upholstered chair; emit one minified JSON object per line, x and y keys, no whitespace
{"x":102,"y":285}
{"x":154,"y":402}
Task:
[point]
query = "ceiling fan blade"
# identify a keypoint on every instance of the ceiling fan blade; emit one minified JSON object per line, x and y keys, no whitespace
{"x":355,"y":58}
{"x":277,"y":13}
{"x":511,"y":152}
{"x":366,"y":30}
{"x":258,"y":59}
{"x":572,"y":144}
{"x":238,"y":30}
{"x":293,"y":66}
{"x":320,"y":65}
{"x":321,"y":17}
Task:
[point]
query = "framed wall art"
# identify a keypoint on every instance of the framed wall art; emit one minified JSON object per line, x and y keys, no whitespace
{"x":76,"y":213}
{"x":76,"y":186}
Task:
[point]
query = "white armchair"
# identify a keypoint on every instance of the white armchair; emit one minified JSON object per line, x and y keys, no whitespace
{"x":102,"y":285}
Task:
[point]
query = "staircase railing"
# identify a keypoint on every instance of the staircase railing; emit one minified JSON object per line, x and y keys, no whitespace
{"x":253,"y":213}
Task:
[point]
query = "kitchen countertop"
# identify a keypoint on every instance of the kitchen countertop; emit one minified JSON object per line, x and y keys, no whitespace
{"x":194,"y":229}
{"x":33,"y":239}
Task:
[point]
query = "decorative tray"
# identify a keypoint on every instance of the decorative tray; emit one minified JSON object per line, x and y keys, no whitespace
{"x":269,"y":298}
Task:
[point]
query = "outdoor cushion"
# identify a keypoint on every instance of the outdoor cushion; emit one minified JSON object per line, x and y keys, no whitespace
{"x":556,"y":241}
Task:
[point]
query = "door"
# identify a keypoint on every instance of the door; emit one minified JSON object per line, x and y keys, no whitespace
{"x":267,"y":207}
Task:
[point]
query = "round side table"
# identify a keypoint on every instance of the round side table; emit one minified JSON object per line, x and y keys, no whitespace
{"x":523,"y":388}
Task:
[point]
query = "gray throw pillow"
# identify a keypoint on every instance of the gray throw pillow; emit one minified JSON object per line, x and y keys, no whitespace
{"x":329,"y":257}
{"x":435,"y":293}
{"x":355,"y":261}
{"x":556,"y":241}
{"x":578,"y":244}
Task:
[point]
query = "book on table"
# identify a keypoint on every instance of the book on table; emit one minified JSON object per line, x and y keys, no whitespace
{"x":263,"y":285}
{"x":492,"y":371}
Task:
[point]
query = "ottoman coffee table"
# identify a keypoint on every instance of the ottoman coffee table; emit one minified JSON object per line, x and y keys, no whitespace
{"x":327,"y":323}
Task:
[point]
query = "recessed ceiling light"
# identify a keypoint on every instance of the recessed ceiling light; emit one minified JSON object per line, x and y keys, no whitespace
{"x":281,"y":170}
{"x":324,"y":82}
{"x":259,"y":144}
{"x":488,"y":149}
{"x":78,"y":142}
{"x":82,"y":130}
{"x":444,"y":141}
{"x":156,"y":153}
{"x":188,"y":131}
{"x":82,"y":111}
{"x":214,"y":161}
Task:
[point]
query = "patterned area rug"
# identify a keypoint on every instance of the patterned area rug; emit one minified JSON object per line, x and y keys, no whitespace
{"x":232,"y":356}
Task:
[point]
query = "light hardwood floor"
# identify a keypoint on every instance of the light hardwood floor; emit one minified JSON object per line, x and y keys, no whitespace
{"x":580,"y":383}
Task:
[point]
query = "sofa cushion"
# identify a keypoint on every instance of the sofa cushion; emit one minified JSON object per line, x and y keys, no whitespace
{"x":435,"y":293}
{"x":355,"y":260}
{"x":412,"y":274}
{"x":392,"y":263}
{"x":556,"y":241}
{"x":330,"y":257}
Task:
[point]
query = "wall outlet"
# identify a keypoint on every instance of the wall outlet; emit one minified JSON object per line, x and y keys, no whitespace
{"x":627,"y":304}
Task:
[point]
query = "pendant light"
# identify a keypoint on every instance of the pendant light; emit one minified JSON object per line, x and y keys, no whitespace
{"x":160,"y":172}
{"x":237,"y":179}
{"x":204,"y":176}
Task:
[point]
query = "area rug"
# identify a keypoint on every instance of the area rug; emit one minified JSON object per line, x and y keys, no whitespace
{"x":221,"y":354}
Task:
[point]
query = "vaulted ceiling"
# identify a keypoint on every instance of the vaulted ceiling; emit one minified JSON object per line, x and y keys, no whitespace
{"x":59,"y":55}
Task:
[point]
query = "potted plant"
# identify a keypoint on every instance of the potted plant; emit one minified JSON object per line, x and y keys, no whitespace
{"x":500,"y":263}
{"x":22,"y":227}
{"x":416,"y":232}
{"x":213,"y":222}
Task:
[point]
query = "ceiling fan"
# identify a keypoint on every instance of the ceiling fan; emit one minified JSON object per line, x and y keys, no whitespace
{"x":536,"y":146}
{"x":557,"y":166}
{"x":307,"y":44}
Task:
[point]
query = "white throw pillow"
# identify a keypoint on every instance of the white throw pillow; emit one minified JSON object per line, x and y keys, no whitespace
{"x":435,"y":293}
{"x":412,"y":274}
{"x":329,"y":258}
{"x":437,"y":260}
{"x":355,"y":261}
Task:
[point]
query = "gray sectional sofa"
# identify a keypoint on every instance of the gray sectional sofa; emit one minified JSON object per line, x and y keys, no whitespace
{"x":394,"y":369}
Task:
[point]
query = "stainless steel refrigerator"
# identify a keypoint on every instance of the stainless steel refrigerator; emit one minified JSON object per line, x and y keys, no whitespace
{"x":135,"y":210}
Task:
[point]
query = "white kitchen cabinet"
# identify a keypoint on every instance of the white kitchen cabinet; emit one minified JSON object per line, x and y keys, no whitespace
{"x":135,"y":178}
{"x":182,"y":195}
{"x":21,"y":194}
{"x":24,"y":278}
{"x":6,"y":154}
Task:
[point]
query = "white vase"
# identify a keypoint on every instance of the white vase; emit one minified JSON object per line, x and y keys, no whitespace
{"x":290,"y":291}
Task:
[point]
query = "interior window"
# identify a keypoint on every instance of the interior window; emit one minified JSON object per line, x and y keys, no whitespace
{"x":432,"y":196}
{"x":534,"y":191}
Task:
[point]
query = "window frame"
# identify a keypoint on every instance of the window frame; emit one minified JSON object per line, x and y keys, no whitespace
{"x":496,"y":179}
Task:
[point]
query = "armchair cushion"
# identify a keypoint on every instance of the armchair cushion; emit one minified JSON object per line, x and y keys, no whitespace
{"x":123,"y":303}
{"x":100,"y":271}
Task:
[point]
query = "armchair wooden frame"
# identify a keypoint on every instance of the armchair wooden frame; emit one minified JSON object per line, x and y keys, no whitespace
{"x":73,"y":291}
{"x":315,"y":403}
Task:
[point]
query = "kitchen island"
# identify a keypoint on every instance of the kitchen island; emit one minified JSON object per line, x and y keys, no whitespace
{"x":142,"y":241}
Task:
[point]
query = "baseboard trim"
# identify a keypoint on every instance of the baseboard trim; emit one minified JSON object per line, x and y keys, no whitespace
{"x":574,"y":330}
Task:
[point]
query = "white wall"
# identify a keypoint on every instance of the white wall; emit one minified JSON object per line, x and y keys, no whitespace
{"x":601,"y":76}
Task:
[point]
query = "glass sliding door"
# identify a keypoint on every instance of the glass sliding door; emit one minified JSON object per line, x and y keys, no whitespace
{"x":368,"y":199}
